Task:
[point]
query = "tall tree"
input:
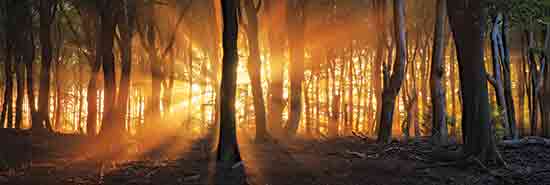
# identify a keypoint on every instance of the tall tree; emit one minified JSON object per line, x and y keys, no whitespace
{"x":107,"y":15}
{"x":126,"y":29}
{"x":468,"y":21}
{"x":254,"y":68}
{"x":296,"y":20}
{"x":439,"y":112}
{"x":392,"y":87}
{"x":48,"y":9}
{"x":380,"y":9}
{"x":230,"y":169}
{"x":276,"y":11}
{"x":496,"y":79}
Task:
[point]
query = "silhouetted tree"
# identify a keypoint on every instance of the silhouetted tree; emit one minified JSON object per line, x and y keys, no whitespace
{"x":392,"y":87}
{"x":230,"y":169}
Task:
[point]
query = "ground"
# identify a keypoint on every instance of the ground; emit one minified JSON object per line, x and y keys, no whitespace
{"x":184,"y":160}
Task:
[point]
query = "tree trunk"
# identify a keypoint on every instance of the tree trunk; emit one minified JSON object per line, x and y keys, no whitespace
{"x":20,"y":72}
{"x":496,"y":79}
{"x":58,"y":107}
{"x":545,"y":89}
{"x":126,"y":28}
{"x":156,"y":78}
{"x":439,"y":112}
{"x":96,"y":62}
{"x":254,"y":70}
{"x":380,"y":6}
{"x":296,"y":20}
{"x":230,"y":170}
{"x":533,"y":74}
{"x":468,"y":22}
{"x":28,"y":58}
{"x":47,"y":12}
{"x":276,"y":43}
{"x":506,"y":74}
{"x":391,"y":90}
{"x":7,"y":106}
{"x":108,"y":127}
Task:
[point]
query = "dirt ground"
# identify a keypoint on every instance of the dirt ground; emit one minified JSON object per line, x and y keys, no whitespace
{"x":179,"y":160}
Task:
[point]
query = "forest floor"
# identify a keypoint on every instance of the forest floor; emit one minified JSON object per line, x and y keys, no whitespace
{"x":178,"y":160}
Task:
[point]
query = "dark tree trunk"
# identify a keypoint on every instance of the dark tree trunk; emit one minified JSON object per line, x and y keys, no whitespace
{"x":380,"y":6}
{"x":28,"y":59}
{"x":533,"y":91}
{"x":391,"y":90}
{"x":254,"y":70}
{"x":230,"y":169}
{"x":545,"y":87}
{"x":47,"y":14}
{"x":20,"y":72}
{"x":439,"y":112}
{"x":468,"y":20}
{"x":107,"y":35}
{"x":7,"y":106}
{"x":126,"y":27}
{"x":506,"y":74}
{"x":496,"y":79}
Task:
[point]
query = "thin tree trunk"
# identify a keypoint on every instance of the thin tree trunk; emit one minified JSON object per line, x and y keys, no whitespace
{"x":545,"y":89}
{"x":296,"y":21}
{"x":394,"y":85}
{"x":507,"y":73}
{"x":496,"y":79}
{"x":254,"y":70}
{"x":8,"y":90}
{"x":276,"y":43}
{"x":439,"y":112}
{"x":126,"y":27}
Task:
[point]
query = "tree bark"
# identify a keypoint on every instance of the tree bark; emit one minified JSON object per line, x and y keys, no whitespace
{"x":126,"y":27}
{"x":468,"y":20}
{"x":391,"y":90}
{"x":496,"y":79}
{"x":254,"y":70}
{"x":108,"y":23}
{"x":7,"y":106}
{"x":545,"y":89}
{"x":96,"y":61}
{"x":230,"y":169}
{"x":439,"y":111}
{"x":507,"y":73}
{"x":47,"y":13}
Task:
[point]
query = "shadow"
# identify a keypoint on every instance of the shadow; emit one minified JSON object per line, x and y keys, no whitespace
{"x":174,"y":161}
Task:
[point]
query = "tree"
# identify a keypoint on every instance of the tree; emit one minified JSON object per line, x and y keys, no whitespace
{"x":107,"y":13}
{"x":48,"y":9}
{"x":496,"y":79}
{"x":468,"y":21}
{"x":230,"y":169}
{"x":439,"y":112}
{"x":275,"y":10}
{"x":254,"y":69}
{"x":296,"y":20}
{"x":392,"y":87}
{"x":126,"y":29}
